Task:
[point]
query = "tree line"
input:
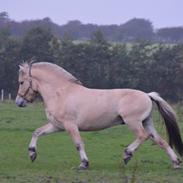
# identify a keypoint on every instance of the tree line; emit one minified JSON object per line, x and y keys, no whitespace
{"x":97,"y":63}
{"x":134,"y":30}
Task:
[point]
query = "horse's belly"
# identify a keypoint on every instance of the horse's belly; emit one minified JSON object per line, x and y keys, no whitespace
{"x":99,"y":123}
{"x":99,"y":114}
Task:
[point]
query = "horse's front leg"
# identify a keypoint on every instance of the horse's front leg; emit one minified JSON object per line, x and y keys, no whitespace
{"x":72,"y":129}
{"x":46,"y":129}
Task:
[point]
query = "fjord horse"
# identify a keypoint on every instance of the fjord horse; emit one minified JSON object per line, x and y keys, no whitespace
{"x":73,"y":107}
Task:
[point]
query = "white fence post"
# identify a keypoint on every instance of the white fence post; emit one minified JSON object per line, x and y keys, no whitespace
{"x":2,"y":95}
{"x":9,"y":96}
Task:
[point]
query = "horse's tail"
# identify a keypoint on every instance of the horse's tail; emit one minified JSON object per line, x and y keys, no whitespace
{"x":169,"y":117}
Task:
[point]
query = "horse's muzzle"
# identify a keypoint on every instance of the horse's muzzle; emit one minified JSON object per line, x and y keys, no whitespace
{"x":20,"y":102}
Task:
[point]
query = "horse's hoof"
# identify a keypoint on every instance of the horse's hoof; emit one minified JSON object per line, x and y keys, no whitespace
{"x":33,"y":156}
{"x":32,"y":153}
{"x":176,"y":164}
{"x":81,"y":167}
{"x":84,"y":165}
{"x":127,"y":156}
{"x":127,"y":159}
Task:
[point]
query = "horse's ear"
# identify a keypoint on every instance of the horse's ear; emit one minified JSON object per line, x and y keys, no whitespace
{"x":21,"y":68}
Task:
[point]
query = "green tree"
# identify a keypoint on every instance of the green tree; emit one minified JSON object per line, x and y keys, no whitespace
{"x":4,"y":18}
{"x":9,"y":59}
{"x":136,"y":29}
{"x":171,"y":35}
{"x":37,"y":43}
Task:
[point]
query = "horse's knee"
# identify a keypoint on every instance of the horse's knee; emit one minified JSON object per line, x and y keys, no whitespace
{"x":36,"y":133}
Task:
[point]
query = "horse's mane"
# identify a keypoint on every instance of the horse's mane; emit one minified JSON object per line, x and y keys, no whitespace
{"x":55,"y":69}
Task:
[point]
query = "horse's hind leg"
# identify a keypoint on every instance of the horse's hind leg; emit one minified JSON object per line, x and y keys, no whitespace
{"x":46,"y":129}
{"x":141,"y":136}
{"x":72,"y":129}
{"x":149,"y":127}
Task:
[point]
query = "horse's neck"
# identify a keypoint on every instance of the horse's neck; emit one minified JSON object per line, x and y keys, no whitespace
{"x":48,"y":86}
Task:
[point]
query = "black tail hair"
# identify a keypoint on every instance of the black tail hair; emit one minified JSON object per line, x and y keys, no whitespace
{"x":169,"y":117}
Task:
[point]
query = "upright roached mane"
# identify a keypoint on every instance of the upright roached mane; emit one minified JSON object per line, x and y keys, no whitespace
{"x":53,"y":68}
{"x":73,"y":107}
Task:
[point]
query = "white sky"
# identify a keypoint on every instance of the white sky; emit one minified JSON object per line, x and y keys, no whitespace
{"x":162,"y":13}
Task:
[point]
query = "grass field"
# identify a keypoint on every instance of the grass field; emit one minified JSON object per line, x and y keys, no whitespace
{"x":57,"y":159}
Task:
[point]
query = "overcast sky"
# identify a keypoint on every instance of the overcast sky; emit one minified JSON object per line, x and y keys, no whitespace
{"x":162,"y":13}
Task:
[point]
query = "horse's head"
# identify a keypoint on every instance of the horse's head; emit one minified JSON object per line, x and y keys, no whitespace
{"x":27,"y":86}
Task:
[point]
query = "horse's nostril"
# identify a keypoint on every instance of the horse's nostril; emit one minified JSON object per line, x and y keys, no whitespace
{"x":20,"y":102}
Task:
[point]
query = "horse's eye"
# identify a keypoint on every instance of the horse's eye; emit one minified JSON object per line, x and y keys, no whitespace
{"x":21,"y":82}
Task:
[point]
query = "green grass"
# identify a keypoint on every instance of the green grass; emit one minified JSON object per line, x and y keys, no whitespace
{"x":57,"y":159}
